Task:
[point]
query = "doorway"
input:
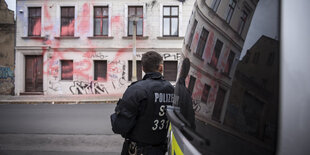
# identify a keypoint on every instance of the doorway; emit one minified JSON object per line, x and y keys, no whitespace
{"x":34,"y":73}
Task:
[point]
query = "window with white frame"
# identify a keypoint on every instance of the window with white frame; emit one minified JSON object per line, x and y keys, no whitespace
{"x":215,"y":4}
{"x":135,"y":11}
{"x":67,"y":21}
{"x":216,"y":53}
{"x":243,"y":20}
{"x":231,"y":8}
{"x":101,"y":21}
{"x":34,"y":21}
{"x":229,"y":63}
{"x":191,"y":36}
{"x":171,"y":21}
{"x":202,"y":42}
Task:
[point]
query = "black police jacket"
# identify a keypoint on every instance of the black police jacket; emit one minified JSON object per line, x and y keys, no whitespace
{"x":140,"y":115}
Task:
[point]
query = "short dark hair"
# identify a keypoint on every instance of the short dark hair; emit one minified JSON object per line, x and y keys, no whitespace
{"x":151,"y":61}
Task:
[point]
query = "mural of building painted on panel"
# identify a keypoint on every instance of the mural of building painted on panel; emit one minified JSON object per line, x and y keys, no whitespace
{"x":86,"y":47}
{"x":214,"y":40}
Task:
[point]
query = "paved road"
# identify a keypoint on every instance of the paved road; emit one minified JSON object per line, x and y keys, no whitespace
{"x":57,"y":129}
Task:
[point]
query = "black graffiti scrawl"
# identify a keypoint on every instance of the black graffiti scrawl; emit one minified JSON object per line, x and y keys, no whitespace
{"x":82,"y":88}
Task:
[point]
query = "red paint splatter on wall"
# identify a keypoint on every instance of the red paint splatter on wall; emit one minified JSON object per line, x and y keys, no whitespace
{"x":224,"y":63}
{"x":84,"y":18}
{"x":197,"y":93}
{"x":46,"y":13}
{"x":209,"y":46}
{"x":37,"y":28}
{"x":115,"y":19}
{"x":68,"y":30}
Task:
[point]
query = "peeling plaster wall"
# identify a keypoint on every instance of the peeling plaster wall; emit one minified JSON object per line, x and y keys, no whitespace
{"x":7,"y":39}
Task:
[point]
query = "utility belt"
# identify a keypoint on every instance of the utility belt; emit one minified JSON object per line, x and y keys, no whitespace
{"x":136,"y":148}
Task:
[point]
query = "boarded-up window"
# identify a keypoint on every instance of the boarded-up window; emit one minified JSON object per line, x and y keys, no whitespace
{"x":136,"y":11}
{"x":229,"y":63}
{"x":34,"y":21}
{"x":191,"y":84}
{"x":170,"y":70}
{"x":202,"y":42}
{"x":217,"y":110}
{"x":67,"y":21}
{"x":191,"y":36}
{"x":138,"y":70}
{"x":205,"y":93}
{"x":216,"y":53}
{"x":171,"y":21}
{"x":66,"y":69}
{"x":101,"y":21}
{"x":100,"y":70}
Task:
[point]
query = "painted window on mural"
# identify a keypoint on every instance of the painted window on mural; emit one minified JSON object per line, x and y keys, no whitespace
{"x":34,"y":21}
{"x":202,"y":42}
{"x":66,"y":69}
{"x":191,"y":36}
{"x":205,"y":93}
{"x":231,"y":8}
{"x":215,"y":4}
{"x":171,"y":21}
{"x":191,"y":84}
{"x":100,"y":70}
{"x":216,"y":53}
{"x":138,"y":70}
{"x":136,"y":11}
{"x":101,"y":20}
{"x":170,"y":70}
{"x":67,"y":21}
{"x":229,"y":63}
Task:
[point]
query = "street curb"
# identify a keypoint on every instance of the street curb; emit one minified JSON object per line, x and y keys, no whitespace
{"x":112,"y":101}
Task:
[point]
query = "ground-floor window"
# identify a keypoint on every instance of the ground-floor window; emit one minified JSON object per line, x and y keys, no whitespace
{"x":100,"y":70}
{"x":170,"y":70}
{"x":138,"y":70}
{"x":66,"y":69}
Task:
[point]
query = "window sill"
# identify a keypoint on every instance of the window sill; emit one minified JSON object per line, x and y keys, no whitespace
{"x":138,"y":37}
{"x":67,"y":37}
{"x":170,"y":38}
{"x":188,"y":48}
{"x":33,"y":37}
{"x":212,"y":66}
{"x":101,"y":37}
{"x":226,"y":75}
{"x":197,"y":56}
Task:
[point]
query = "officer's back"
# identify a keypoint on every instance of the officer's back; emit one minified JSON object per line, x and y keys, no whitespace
{"x":140,"y":114}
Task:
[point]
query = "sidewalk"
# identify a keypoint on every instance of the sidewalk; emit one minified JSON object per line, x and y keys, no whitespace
{"x":58,"y":99}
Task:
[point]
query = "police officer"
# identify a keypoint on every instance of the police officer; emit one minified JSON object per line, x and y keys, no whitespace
{"x":140,"y":115}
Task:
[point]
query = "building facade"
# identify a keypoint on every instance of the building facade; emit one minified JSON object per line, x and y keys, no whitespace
{"x":7,"y":43}
{"x":253,"y":102}
{"x":86,"y":47}
{"x":214,"y":40}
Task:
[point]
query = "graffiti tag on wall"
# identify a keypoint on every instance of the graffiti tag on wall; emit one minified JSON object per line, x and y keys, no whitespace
{"x":6,"y":73}
{"x":81,"y":87}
